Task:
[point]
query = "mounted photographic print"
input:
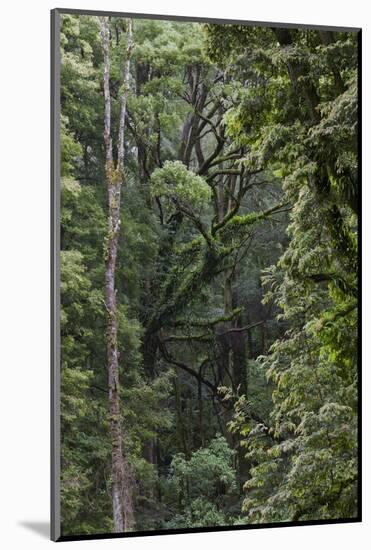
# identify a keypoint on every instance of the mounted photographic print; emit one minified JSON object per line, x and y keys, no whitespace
{"x":205,"y":197}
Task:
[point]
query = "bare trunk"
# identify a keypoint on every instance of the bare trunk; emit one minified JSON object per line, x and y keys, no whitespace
{"x":121,"y":479}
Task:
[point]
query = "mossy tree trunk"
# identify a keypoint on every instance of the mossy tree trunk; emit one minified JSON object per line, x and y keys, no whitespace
{"x":122,"y":506}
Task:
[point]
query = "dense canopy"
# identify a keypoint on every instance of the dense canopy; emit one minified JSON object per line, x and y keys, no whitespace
{"x":209,"y":199}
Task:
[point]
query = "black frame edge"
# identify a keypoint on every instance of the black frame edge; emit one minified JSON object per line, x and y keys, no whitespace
{"x":288,"y":524}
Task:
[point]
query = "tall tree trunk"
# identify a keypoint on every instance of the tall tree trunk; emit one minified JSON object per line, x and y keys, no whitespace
{"x":121,"y":478}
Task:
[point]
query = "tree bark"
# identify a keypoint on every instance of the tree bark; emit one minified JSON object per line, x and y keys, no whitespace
{"x":123,"y":518}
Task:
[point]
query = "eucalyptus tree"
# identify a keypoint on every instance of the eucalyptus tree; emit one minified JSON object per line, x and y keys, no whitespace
{"x":121,"y":476}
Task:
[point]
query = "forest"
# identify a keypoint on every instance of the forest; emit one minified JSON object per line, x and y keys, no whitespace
{"x":209,"y":272}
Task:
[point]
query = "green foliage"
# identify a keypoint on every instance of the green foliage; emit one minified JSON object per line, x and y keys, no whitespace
{"x":235,"y":315}
{"x":203,"y":485}
{"x":175,"y":183}
{"x":75,"y":380}
{"x":200,"y":513}
{"x":70,"y":149}
{"x":208,"y":470}
{"x":304,"y":460}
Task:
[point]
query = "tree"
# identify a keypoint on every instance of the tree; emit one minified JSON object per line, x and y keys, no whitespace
{"x":121,"y":482}
{"x":305,"y":466}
